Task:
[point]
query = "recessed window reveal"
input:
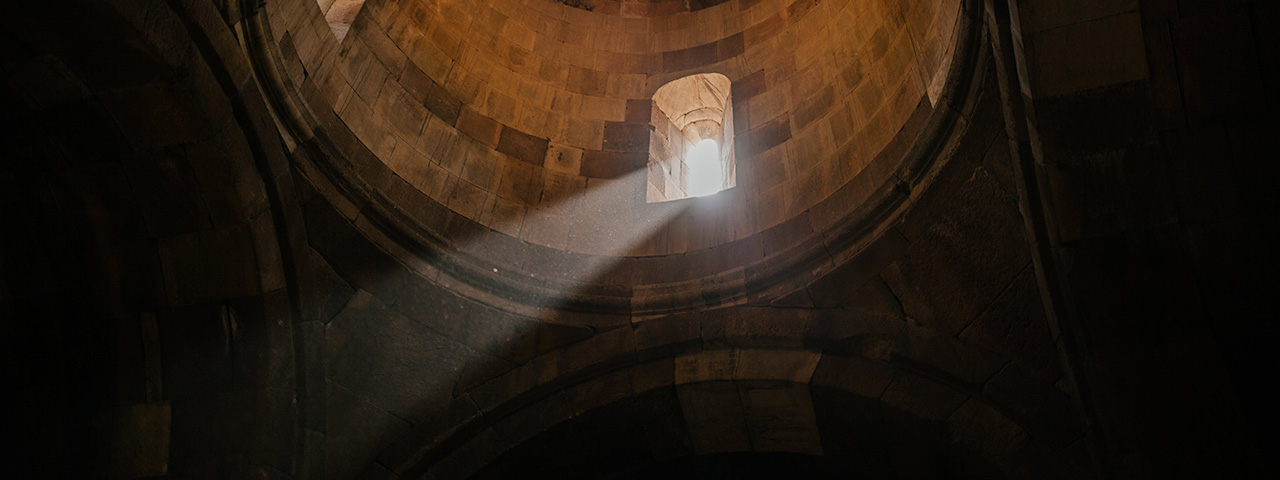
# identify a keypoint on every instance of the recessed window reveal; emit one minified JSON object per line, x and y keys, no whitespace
{"x":691,"y":146}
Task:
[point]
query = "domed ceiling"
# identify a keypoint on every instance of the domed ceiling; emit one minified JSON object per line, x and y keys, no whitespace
{"x":417,"y":238}
{"x":510,"y":139}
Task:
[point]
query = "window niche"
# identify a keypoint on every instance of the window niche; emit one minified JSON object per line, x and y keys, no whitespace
{"x":691,"y":149}
{"x":340,"y":14}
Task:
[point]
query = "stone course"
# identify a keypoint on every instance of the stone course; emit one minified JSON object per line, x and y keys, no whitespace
{"x":966,"y":240}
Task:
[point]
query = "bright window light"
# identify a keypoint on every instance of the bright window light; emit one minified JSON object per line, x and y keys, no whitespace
{"x":704,"y":168}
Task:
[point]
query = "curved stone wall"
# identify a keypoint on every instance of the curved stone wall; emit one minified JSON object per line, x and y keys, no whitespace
{"x":201,"y":275}
{"x":416,"y":146}
{"x":149,"y":288}
{"x":511,"y":113}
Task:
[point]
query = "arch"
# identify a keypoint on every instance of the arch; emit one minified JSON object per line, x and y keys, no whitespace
{"x":177,"y":294}
{"x":863,"y":357}
{"x":597,"y":276}
{"x":688,"y":112}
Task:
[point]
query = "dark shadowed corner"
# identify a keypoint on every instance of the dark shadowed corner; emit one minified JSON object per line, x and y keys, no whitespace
{"x":448,"y":239}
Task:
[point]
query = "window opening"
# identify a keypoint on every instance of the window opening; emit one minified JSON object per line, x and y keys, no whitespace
{"x":691,"y":147}
{"x":704,"y":168}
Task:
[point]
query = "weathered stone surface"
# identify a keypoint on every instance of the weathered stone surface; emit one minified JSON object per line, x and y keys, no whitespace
{"x":764,"y":137}
{"x":713,"y":412}
{"x":209,"y":265}
{"x":968,"y":227}
{"x":602,"y":164}
{"x":141,"y":441}
{"x":522,"y":146}
{"x":356,"y":432}
{"x":479,"y":127}
{"x":195,"y":342}
{"x":353,"y":257}
{"x":626,"y":137}
{"x":780,"y":417}
{"x":415,"y":367}
{"x":858,"y":376}
{"x":688,"y":58}
{"x":420,"y":251}
{"x":1015,"y":326}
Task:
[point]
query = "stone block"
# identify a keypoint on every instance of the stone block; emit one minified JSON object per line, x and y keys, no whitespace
{"x":587,"y":81}
{"x":356,"y":432}
{"x":764,"y":30}
{"x":602,"y":164}
{"x":713,"y":413}
{"x":979,"y":220}
{"x":690,"y":58}
{"x":747,"y":87}
{"x":169,"y":197}
{"x":477,"y":126}
{"x":921,"y":398}
{"x":858,"y":376}
{"x":764,"y":137}
{"x":835,"y":288}
{"x":369,"y":84}
{"x":747,"y":326}
{"x":1014,"y":326}
{"x":1083,"y":56}
{"x":399,"y":111}
{"x":977,"y":426}
{"x":352,"y":256}
{"x":518,"y":181}
{"x":467,"y":199}
{"x":730,"y":46}
{"x":430,"y":94}
{"x":780,"y":417}
{"x":583,"y":133}
{"x":400,"y":365}
{"x":943,"y":356}
{"x":1033,"y":403}
{"x":565,"y":159}
{"x":382,"y":47}
{"x":547,"y":229}
{"x":1039,"y":15}
{"x":786,"y":365}
{"x":209,"y":265}
{"x":194,"y":342}
{"x":154,"y":115}
{"x":706,"y":366}
{"x":814,"y":108}
{"x":484,"y":169}
{"x":626,"y":137}
{"x":639,"y":111}
{"x":140,"y":441}
{"x":603,"y":108}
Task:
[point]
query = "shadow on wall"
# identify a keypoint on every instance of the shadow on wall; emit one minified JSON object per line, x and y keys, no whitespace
{"x":521,"y":123}
{"x":403,"y":342}
{"x":145,"y":298}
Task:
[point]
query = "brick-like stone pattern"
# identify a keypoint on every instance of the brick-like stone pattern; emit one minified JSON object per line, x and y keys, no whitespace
{"x":169,"y":314}
{"x":533,"y":73}
{"x":973,"y":318}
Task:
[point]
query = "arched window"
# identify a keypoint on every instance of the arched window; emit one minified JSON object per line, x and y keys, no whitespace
{"x":691,"y":148}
